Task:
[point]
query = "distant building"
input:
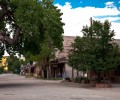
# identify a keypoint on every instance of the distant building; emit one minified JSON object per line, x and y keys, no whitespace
{"x":60,"y":66}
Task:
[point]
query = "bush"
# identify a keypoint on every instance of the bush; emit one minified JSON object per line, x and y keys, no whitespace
{"x":68,"y":79}
{"x":84,"y":80}
{"x":78,"y":79}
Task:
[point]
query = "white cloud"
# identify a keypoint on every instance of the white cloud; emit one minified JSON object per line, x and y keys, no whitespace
{"x":67,"y":3}
{"x":116,"y":27}
{"x":76,"y":18}
{"x":110,"y":4}
{"x":111,"y":19}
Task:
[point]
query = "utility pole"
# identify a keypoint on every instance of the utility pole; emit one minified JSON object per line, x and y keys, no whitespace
{"x":91,"y":36}
{"x":72,"y":73}
{"x":91,"y":31}
{"x":91,"y":23}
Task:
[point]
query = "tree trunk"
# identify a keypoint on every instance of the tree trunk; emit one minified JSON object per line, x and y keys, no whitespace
{"x":77,"y":72}
{"x":83,"y":74}
{"x":48,"y":67}
{"x":3,"y":11}
{"x":72,"y":73}
{"x":98,"y":77}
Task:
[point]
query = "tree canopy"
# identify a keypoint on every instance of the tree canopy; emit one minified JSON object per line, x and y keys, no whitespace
{"x":24,"y":25}
{"x":95,"y":51}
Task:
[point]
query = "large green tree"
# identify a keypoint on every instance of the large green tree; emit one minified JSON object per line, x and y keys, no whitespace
{"x":95,"y":51}
{"x":28,"y":22}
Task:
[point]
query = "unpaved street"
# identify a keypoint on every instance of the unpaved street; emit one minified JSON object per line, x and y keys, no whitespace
{"x":14,"y":87}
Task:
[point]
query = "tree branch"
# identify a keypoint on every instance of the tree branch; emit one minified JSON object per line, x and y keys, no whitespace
{"x":7,"y":40}
{"x":3,"y":12}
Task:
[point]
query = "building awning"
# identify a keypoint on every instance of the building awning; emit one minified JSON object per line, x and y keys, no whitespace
{"x":59,"y":61}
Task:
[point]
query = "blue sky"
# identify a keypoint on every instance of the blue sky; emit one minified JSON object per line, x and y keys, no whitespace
{"x":84,"y":3}
{"x":76,"y":14}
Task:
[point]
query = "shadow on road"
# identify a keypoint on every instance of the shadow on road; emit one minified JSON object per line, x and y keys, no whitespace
{"x":18,"y":85}
{"x":28,"y":84}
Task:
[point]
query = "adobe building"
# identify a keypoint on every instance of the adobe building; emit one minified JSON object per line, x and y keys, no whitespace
{"x":60,"y":65}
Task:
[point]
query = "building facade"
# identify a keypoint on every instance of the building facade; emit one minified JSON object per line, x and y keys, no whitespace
{"x":60,"y":67}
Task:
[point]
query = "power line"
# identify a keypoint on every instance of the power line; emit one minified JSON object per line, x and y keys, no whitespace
{"x":77,"y":24}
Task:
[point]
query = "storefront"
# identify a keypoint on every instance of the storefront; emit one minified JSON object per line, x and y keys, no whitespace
{"x":58,"y":67}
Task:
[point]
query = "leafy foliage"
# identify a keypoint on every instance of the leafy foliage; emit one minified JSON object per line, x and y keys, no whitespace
{"x":36,"y":19}
{"x":95,"y":51}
